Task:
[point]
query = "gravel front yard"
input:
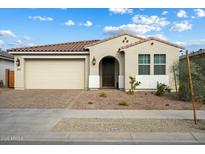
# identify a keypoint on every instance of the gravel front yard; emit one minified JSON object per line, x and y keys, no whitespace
{"x":127,"y":125}
{"x":95,"y":99}
{"x":139,"y":101}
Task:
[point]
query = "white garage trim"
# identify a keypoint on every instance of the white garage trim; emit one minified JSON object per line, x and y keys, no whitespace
{"x":54,"y":74}
{"x":20,"y":73}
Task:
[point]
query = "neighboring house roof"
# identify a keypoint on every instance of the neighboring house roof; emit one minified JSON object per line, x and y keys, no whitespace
{"x":6,"y":56}
{"x":62,"y":47}
{"x":113,"y":37}
{"x":194,"y":54}
{"x":152,"y":38}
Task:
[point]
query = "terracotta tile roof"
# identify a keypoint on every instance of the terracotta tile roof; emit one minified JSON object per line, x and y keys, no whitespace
{"x":113,"y":37}
{"x":152,"y":38}
{"x":78,"y":46}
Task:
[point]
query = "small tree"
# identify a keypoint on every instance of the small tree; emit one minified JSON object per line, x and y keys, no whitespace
{"x":133,"y":85}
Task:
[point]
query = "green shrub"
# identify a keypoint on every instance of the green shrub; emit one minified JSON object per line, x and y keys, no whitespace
{"x":103,"y":94}
{"x":198,"y":79}
{"x":133,"y":85}
{"x":162,"y":89}
{"x":123,"y":103}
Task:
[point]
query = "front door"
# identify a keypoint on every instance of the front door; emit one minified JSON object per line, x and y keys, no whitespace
{"x":108,"y":75}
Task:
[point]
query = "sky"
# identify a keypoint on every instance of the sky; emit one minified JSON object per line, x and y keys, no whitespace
{"x":29,"y":27}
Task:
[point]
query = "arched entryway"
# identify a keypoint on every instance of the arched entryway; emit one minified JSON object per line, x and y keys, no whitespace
{"x":109,"y":72}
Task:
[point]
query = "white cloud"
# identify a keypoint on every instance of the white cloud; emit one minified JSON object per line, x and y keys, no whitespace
{"x":180,"y":43}
{"x":2,"y":43}
{"x":182,"y":26}
{"x":150,"y":20}
{"x":18,"y":42}
{"x":27,"y":38}
{"x":129,"y":28}
{"x":195,"y":42}
{"x":199,"y":43}
{"x":182,"y":14}
{"x":121,"y":10}
{"x":199,"y":12}
{"x":30,"y":44}
{"x":40,"y":18}
{"x":141,"y":25}
{"x":164,"y":13}
{"x":7,"y":33}
{"x":87,"y":24}
{"x":70,"y":23}
{"x":160,"y":36}
{"x":63,"y":8}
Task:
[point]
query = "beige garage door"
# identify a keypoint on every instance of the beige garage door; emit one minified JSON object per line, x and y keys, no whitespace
{"x":54,"y":74}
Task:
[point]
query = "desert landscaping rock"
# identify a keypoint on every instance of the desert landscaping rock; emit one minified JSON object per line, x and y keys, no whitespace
{"x":79,"y":99}
{"x":126,"y":125}
{"x":138,"y":101}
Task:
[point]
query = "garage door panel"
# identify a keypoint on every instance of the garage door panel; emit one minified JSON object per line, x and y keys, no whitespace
{"x":54,"y":74}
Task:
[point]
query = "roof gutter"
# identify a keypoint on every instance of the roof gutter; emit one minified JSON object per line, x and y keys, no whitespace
{"x":48,"y":53}
{"x":6,"y":58}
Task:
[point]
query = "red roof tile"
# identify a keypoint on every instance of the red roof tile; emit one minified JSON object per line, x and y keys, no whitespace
{"x":80,"y":46}
{"x":152,"y":38}
{"x":62,"y":47}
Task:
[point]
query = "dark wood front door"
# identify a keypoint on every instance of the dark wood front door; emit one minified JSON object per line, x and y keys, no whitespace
{"x":108,"y":72}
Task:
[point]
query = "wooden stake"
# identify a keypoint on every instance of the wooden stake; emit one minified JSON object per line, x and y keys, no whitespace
{"x":191,"y":86}
{"x":175,"y":81}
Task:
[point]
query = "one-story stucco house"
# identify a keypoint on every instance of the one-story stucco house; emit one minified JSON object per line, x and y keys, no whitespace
{"x":94,"y":64}
{"x":6,"y":64}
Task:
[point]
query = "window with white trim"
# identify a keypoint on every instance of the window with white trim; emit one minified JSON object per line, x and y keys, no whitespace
{"x":159,"y":64}
{"x":144,"y":64}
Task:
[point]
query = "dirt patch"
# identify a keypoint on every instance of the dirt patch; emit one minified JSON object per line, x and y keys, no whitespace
{"x":126,"y":125}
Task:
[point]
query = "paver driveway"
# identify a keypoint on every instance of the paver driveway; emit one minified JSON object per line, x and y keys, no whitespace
{"x":37,"y":98}
{"x":82,"y":99}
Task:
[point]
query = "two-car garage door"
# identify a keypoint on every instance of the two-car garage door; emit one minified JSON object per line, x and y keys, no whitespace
{"x":54,"y":74}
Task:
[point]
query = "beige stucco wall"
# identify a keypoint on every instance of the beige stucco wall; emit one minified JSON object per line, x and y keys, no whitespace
{"x":104,"y":49}
{"x":128,"y":61}
{"x":109,"y":48}
{"x":20,"y":73}
{"x":131,"y":59}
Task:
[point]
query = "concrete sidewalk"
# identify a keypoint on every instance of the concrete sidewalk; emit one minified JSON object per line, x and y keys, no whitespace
{"x":32,"y":126}
{"x":151,"y":114}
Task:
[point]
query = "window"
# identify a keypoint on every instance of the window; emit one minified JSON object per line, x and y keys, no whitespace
{"x":159,"y":64}
{"x":144,"y":64}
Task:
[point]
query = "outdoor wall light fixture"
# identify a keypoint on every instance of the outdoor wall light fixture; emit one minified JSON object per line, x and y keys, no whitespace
{"x":94,"y":61}
{"x":18,"y":62}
